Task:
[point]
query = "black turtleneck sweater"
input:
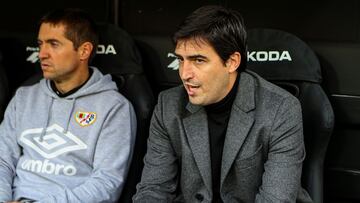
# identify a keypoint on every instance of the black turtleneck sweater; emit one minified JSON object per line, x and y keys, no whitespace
{"x":218,"y":117}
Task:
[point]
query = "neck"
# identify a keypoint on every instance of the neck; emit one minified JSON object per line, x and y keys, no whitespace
{"x":78,"y":78}
{"x":231,"y":83}
{"x":225,"y":104}
{"x":233,"y":79}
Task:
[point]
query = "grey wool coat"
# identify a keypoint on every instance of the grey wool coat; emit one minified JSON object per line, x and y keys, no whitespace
{"x":263,"y":148}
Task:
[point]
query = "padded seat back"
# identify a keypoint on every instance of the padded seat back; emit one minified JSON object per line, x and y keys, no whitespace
{"x":19,"y":58}
{"x":285,"y":60}
{"x":159,"y":61}
{"x":118,"y":55}
{"x":4,"y":89}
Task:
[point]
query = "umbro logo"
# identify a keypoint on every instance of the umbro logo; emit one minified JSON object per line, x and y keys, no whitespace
{"x":53,"y":143}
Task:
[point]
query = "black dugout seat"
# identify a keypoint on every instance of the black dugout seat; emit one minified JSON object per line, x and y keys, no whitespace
{"x":4,"y":89}
{"x":19,"y":58}
{"x":160,"y":64}
{"x":285,"y":60}
{"x":17,"y":63}
{"x":117,"y":55}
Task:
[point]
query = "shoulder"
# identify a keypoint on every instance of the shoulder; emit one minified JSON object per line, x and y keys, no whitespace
{"x":28,"y":90}
{"x":270,"y":91}
{"x":175,"y":93}
{"x":173,"y":98}
{"x":269,"y":98}
{"x":111,"y":98}
{"x":171,"y":104}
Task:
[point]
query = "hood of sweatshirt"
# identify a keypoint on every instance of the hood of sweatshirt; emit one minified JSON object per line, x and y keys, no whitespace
{"x":96,"y":83}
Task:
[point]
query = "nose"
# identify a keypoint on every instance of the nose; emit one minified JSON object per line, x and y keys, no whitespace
{"x":43,"y":52}
{"x":186,"y":70}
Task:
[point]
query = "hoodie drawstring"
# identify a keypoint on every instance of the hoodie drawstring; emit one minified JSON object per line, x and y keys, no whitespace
{"x":47,"y":119}
{"x":46,"y":122}
{"x":69,"y":116}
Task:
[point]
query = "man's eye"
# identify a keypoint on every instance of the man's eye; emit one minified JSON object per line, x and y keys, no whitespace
{"x":181,"y":60}
{"x":199,"y":61}
{"x":54,"y":44}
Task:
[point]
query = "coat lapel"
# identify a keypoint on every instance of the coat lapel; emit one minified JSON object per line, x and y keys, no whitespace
{"x":197,"y":132}
{"x":240,"y":122}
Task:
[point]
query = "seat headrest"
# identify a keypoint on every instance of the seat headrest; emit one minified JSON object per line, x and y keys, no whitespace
{"x":116,"y":52}
{"x":158,"y":55}
{"x":20,"y":58}
{"x":278,"y":55}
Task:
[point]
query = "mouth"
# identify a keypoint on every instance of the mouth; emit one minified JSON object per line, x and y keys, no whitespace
{"x":45,"y":66}
{"x":191,"y":88}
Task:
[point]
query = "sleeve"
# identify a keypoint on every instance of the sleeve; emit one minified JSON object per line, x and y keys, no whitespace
{"x":9,"y":152}
{"x":281,"y":179}
{"x":159,"y":178}
{"x":111,"y":161}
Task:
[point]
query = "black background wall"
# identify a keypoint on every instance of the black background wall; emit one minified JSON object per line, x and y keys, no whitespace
{"x":331,"y":28}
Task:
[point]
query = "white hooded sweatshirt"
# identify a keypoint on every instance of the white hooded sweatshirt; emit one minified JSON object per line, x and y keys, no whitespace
{"x":72,"y":149}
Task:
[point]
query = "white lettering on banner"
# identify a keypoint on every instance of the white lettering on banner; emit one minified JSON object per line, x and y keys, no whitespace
{"x":47,"y":167}
{"x":103,"y":49}
{"x":32,"y":49}
{"x":175,"y":63}
{"x":269,"y":56}
{"x":34,"y":56}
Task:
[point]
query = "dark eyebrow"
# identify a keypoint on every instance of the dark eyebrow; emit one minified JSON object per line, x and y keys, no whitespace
{"x":52,"y":40}
{"x":192,"y":57}
{"x":178,"y":56}
{"x":49,"y":40}
{"x":197,"y":56}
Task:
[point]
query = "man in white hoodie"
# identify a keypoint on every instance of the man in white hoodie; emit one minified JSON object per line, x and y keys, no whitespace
{"x":68,"y":138}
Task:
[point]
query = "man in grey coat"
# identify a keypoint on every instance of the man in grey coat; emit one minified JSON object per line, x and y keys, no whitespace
{"x":226,"y":134}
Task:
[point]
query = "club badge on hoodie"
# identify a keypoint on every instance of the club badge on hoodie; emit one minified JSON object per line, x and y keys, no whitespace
{"x":85,"y":118}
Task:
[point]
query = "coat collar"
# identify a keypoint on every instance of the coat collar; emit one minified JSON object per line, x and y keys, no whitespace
{"x":245,"y":97}
{"x":240,"y":122}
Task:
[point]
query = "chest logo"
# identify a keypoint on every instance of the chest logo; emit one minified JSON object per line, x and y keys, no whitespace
{"x":53,"y":142}
{"x":85,"y":118}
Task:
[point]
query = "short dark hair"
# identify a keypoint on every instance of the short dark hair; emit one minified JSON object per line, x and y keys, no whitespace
{"x":222,"y":28}
{"x":79,"y":26}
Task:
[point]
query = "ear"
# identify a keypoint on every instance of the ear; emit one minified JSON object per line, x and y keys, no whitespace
{"x":233,"y":62}
{"x":85,"y":50}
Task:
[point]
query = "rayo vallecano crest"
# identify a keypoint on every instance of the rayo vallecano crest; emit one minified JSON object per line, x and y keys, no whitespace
{"x":85,"y":118}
